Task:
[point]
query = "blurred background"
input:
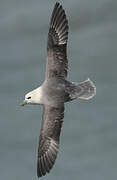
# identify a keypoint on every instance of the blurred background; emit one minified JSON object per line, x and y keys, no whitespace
{"x":88,"y":147}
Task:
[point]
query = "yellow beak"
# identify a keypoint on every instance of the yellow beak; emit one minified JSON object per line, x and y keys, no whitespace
{"x":23,"y":103}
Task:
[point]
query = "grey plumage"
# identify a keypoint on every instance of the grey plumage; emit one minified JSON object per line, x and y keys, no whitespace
{"x":57,"y":63}
{"x":55,"y":91}
{"x":49,"y":138}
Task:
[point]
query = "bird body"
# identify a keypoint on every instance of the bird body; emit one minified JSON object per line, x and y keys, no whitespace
{"x":55,"y":91}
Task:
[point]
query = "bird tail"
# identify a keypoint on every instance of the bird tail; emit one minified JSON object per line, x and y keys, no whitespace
{"x":84,"y":90}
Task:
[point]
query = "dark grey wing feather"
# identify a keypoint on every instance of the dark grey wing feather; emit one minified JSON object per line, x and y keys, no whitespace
{"x":57,"y":63}
{"x":49,"y":138}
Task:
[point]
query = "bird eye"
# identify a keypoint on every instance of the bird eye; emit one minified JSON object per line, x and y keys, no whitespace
{"x":28,"y":97}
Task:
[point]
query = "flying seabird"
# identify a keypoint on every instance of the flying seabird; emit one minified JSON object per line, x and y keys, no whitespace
{"x":55,"y":91}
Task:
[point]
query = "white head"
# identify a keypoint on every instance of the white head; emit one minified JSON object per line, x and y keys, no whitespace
{"x":33,"y":97}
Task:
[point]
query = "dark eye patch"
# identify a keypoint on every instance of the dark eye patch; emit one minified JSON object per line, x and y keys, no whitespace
{"x":28,"y":97}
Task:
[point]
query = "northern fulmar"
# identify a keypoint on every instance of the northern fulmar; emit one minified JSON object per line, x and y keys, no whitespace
{"x":55,"y":91}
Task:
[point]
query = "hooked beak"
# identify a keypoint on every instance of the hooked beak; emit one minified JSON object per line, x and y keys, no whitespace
{"x":23,"y":103}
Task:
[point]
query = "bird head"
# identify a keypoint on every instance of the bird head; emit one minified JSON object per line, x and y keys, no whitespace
{"x":33,"y":97}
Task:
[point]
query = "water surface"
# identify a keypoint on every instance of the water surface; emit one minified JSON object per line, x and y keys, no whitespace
{"x":88,"y":147}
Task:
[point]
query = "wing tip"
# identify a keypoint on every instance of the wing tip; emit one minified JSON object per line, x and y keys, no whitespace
{"x":59,"y":23}
{"x":47,"y":160}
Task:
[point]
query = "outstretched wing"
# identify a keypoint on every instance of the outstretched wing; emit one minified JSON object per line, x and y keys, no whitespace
{"x":49,"y":138}
{"x":57,"y":63}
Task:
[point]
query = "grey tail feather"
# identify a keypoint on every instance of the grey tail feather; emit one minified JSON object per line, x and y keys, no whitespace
{"x":84,"y":90}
